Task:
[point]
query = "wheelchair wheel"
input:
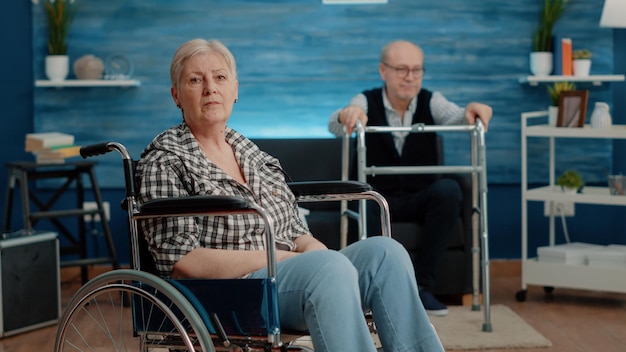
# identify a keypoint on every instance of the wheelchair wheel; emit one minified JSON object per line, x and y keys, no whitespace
{"x":129,"y":310}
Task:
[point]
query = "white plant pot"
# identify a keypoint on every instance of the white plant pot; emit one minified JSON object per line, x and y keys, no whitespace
{"x":541,"y":63}
{"x":569,"y":190}
{"x":553,"y":115}
{"x":582,"y":67}
{"x":57,"y":67}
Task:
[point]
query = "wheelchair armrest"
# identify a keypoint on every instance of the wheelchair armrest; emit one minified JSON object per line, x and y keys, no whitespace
{"x":315,"y":191}
{"x":212,"y":206}
{"x":194,"y":204}
{"x":202,"y":204}
{"x":315,"y":188}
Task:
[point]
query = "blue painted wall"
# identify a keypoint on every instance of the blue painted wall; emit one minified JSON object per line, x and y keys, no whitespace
{"x":298,"y":61}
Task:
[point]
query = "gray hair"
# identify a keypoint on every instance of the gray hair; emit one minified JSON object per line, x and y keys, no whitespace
{"x":195,"y":47}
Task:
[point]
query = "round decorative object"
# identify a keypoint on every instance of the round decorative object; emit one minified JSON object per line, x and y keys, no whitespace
{"x":119,"y":67}
{"x":88,"y":67}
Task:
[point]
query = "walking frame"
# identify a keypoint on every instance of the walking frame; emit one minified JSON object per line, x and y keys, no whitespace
{"x":477,"y":169}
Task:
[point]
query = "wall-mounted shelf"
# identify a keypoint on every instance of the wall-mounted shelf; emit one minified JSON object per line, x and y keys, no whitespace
{"x":596,"y":80}
{"x":616,"y":131}
{"x":88,"y":83}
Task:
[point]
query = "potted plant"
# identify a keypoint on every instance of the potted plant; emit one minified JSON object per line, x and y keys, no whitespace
{"x":554,"y":91}
{"x":541,"y":56}
{"x":60,"y":14}
{"x":570,"y":181}
{"x":581,"y":62}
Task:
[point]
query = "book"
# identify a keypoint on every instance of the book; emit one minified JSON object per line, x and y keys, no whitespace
{"x":42,"y":140}
{"x":61,"y":151}
{"x":56,"y":155}
{"x":566,"y":56}
{"x":44,"y":159}
{"x":557,"y":55}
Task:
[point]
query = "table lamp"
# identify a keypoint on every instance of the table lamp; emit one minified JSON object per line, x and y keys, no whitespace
{"x":613,"y":14}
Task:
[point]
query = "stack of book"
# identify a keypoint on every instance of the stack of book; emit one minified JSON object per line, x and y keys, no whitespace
{"x":51,"y":147}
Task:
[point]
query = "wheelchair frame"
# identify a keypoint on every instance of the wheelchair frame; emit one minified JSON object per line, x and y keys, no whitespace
{"x":477,"y":169}
{"x":166,"y":313}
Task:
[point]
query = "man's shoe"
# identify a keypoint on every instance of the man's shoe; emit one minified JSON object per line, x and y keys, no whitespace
{"x":432,"y":304}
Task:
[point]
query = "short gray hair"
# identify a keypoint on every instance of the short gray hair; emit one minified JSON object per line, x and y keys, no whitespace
{"x":195,"y":47}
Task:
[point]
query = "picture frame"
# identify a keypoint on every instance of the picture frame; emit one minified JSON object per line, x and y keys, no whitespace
{"x":572,"y":108}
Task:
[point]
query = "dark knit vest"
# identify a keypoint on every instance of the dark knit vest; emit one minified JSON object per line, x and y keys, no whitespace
{"x":419,"y":148}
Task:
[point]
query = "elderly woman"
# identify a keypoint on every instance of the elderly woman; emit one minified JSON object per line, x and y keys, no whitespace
{"x":322,"y":291}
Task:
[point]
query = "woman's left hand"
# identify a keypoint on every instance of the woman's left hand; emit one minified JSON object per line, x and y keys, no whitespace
{"x":308,"y":243}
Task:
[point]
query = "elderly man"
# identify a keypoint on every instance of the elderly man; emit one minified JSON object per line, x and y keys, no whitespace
{"x":433,"y":202}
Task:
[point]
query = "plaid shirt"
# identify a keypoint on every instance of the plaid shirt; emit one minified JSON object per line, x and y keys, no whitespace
{"x":173,"y":165}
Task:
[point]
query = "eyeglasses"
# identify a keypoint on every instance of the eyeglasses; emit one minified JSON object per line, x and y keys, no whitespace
{"x":403,"y":72}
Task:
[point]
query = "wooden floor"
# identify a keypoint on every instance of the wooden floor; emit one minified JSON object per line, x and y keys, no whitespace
{"x":572,"y":320}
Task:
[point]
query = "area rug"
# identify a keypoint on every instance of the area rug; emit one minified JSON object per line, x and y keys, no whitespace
{"x":461,"y":329}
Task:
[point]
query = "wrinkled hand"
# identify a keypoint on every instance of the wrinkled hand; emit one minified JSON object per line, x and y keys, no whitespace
{"x":349,"y":115}
{"x":478,"y":110}
{"x":303,"y":244}
{"x":282,"y":255}
{"x":308,"y":243}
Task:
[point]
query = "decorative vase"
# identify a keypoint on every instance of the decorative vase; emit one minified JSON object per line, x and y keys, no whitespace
{"x":553,"y":115}
{"x":57,"y":67}
{"x":601,"y":117}
{"x":88,"y":67}
{"x":541,"y":63}
{"x":582,"y":67}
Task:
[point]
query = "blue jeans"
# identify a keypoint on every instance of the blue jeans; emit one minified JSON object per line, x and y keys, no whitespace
{"x":326,"y":293}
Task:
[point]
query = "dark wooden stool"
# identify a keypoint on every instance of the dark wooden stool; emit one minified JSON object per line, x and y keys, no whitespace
{"x":24,"y":175}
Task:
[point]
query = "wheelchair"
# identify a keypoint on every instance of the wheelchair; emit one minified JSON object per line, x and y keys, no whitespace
{"x":135,"y":310}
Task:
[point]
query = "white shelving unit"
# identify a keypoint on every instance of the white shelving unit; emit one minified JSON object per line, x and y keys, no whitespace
{"x":550,"y":274}
{"x":88,"y":83}
{"x":596,"y":80}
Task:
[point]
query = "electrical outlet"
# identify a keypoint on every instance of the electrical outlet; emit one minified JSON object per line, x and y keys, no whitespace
{"x":565,"y":208}
{"x":94,"y":205}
